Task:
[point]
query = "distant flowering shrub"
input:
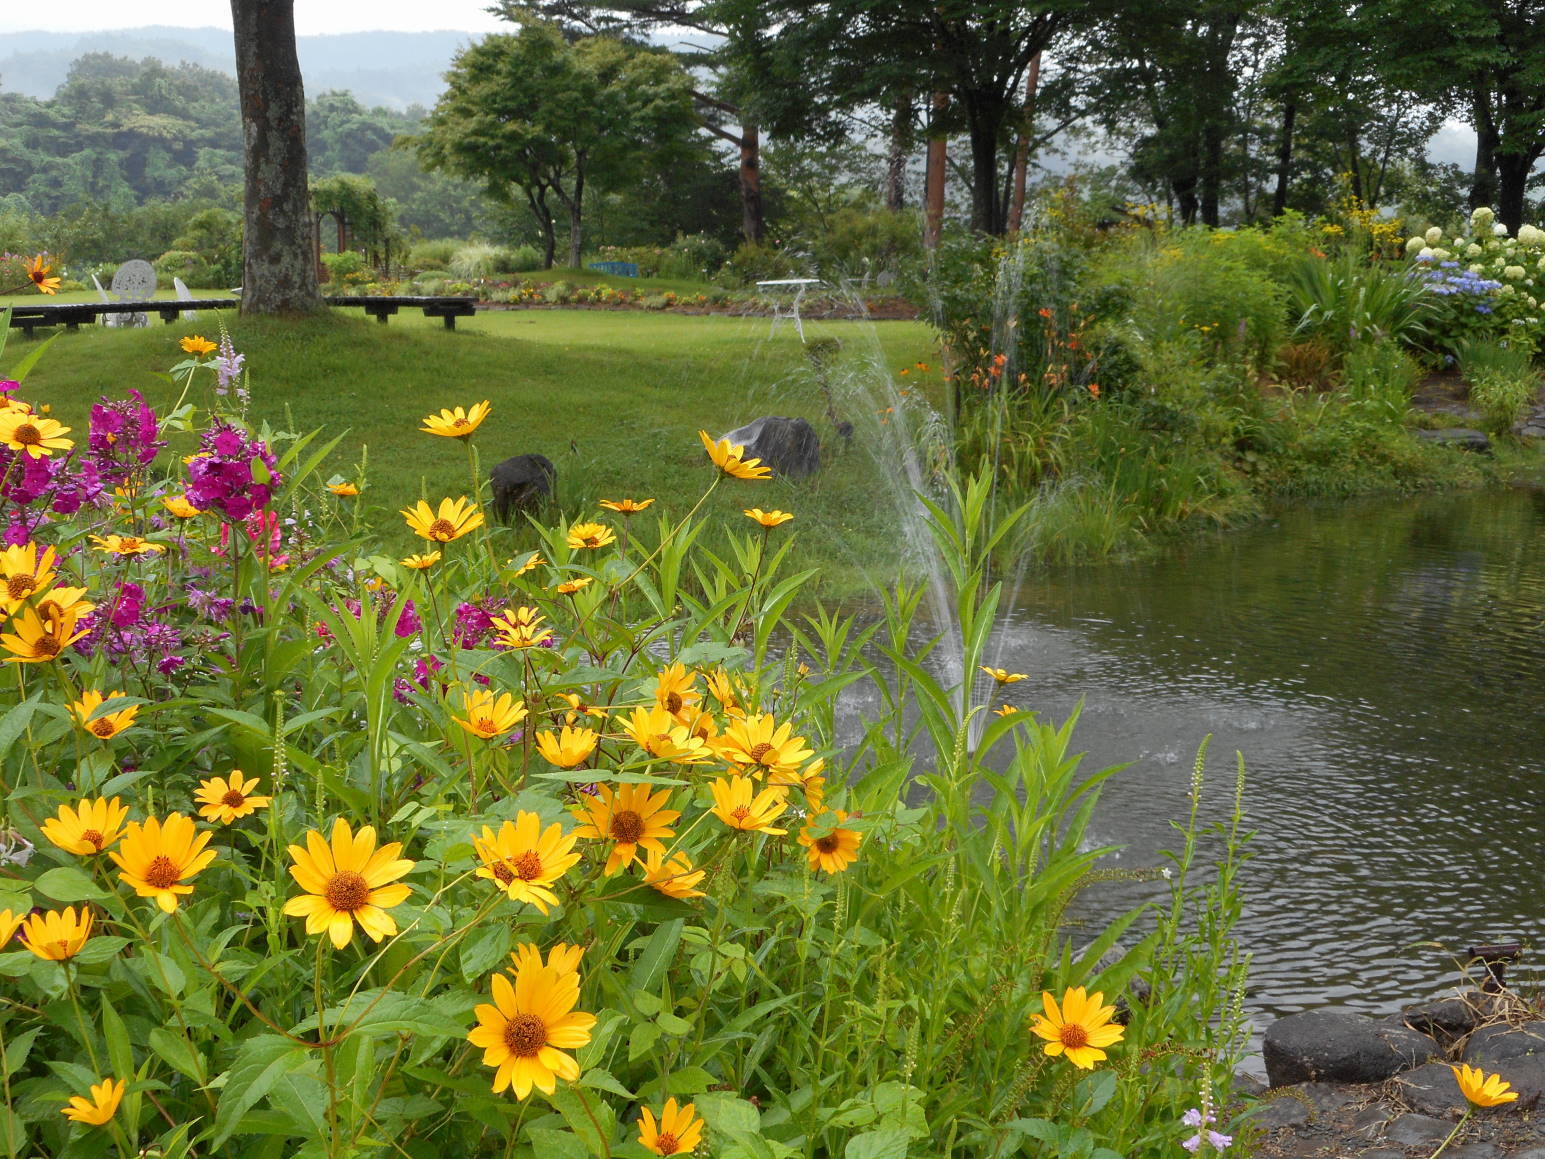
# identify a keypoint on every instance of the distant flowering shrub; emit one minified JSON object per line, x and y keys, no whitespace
{"x":1489,"y":284}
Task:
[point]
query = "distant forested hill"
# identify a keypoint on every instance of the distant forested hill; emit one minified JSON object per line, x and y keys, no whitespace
{"x":392,"y":69}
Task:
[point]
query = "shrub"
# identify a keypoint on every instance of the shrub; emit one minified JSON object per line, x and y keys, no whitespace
{"x":433,"y":254}
{"x":1348,"y":300}
{"x":342,"y":267}
{"x":1503,"y":382}
{"x":190,"y":267}
{"x":1380,"y":378}
{"x":483,"y":261}
{"x":752,"y":263}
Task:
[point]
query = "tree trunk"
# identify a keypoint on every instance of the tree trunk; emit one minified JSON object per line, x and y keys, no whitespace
{"x":544,"y":220}
{"x":1483,"y":184}
{"x":1513,"y":171}
{"x":1279,"y":202}
{"x":576,"y":220}
{"x":938,"y":156}
{"x":279,"y":274}
{"x":986,"y":203}
{"x":1184,"y":187}
{"x":751,"y":223}
{"x":1022,"y":152}
{"x":1212,"y":170}
{"x":901,"y":148}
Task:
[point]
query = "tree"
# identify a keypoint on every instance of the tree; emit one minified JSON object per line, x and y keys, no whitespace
{"x":532,"y":113}
{"x":279,"y":274}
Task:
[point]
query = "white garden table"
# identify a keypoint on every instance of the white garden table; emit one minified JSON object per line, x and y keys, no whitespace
{"x":785,"y":307}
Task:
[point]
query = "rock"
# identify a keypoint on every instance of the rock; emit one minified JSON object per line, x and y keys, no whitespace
{"x":1492,"y":1045}
{"x":1462,"y":437}
{"x":522,"y":483}
{"x":789,"y":446}
{"x":1419,"y":1130}
{"x":1432,"y":1090}
{"x":1371,"y":1121}
{"x":1284,"y":1110}
{"x":1481,"y":1150}
{"x":1529,"y":1153}
{"x":1339,"y":1046}
{"x":1446,"y":1020}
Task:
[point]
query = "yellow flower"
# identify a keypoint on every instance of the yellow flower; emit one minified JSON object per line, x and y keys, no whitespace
{"x":56,"y":936}
{"x":344,"y":490}
{"x":39,"y":637}
{"x":37,"y":274}
{"x":197,"y":345}
{"x":347,"y":882}
{"x":807,"y":780}
{"x":1005,"y":710}
{"x":458,"y":423}
{"x":1482,"y":1089}
{"x":490,"y":714}
{"x":569,"y":587}
{"x":660,"y":735}
{"x":224,"y":799}
{"x":758,"y":743}
{"x":126,"y":545}
{"x":834,"y":849}
{"x":768,"y":518}
{"x":158,"y":857}
{"x":527,"y":1028}
{"x":561,"y":959}
{"x":454,"y":519}
{"x":526,"y":859}
{"x":90,"y":827}
{"x":728,"y":459}
{"x":674,"y":877}
{"x":33,"y":434}
{"x":567,"y":747}
{"x":179,"y":506}
{"x":101,"y":1106}
{"x":677,"y":1133}
{"x":727,"y":691}
{"x":534,"y":560}
{"x":106,"y":724}
{"x":23,"y":571}
{"x":629,"y":816}
{"x":626,"y":506}
{"x":8,"y":925}
{"x":1080,"y":1029}
{"x":582,"y":535}
{"x":421,"y":562}
{"x":1002,"y":676}
{"x":522,"y":628}
{"x":735,"y":805}
{"x":675,"y":688}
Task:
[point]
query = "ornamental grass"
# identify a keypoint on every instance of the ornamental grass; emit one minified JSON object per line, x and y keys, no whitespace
{"x":622,"y":884}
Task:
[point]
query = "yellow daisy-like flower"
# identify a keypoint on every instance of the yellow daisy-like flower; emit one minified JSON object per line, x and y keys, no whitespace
{"x":343,"y":490}
{"x":37,"y":637}
{"x":347,"y":881}
{"x":32,"y":434}
{"x":157,"y":858}
{"x":87,"y":828}
{"x":522,"y":628}
{"x":630,"y":817}
{"x":561,"y":959}
{"x":106,"y":724}
{"x":37,"y":274}
{"x":728,"y":459}
{"x":739,"y":806}
{"x":673,"y":876}
{"x":590,"y":535}
{"x":1080,"y":1028}
{"x":126,"y":545}
{"x":759,"y":743}
{"x":626,"y":506}
{"x":9,"y":923}
{"x":569,"y":587}
{"x":179,"y":506}
{"x":103,"y":1103}
{"x":526,"y":859}
{"x":458,"y":423}
{"x":578,"y":708}
{"x":1004,"y":710}
{"x":768,"y":518}
{"x":1003,"y":676}
{"x":490,"y":714}
{"x":197,"y":345}
{"x":455,"y":518}
{"x":533,"y":561}
{"x":527,"y":1028}
{"x":24,"y":571}
{"x":663,"y":737}
{"x":830,"y":847}
{"x":675,"y":688}
{"x":727,"y":690}
{"x":56,"y":936}
{"x":1482,"y":1089}
{"x":421,"y":562}
{"x":678,"y":1132}
{"x":567,"y":747}
{"x":224,"y":799}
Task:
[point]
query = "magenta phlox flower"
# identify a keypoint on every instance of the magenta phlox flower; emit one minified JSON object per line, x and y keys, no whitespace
{"x":222,"y":476}
{"x":125,"y":438}
{"x":475,"y":622}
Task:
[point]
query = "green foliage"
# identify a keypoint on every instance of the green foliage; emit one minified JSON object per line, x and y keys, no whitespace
{"x":752,"y":263}
{"x":1503,"y":382}
{"x":1347,"y":299}
{"x":184,"y":264}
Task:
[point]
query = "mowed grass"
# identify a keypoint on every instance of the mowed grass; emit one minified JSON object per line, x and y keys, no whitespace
{"x":613,"y":398}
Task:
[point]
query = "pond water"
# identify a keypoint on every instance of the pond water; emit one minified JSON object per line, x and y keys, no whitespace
{"x":1380,"y":666}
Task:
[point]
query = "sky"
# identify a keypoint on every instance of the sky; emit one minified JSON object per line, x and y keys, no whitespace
{"x":312,"y":17}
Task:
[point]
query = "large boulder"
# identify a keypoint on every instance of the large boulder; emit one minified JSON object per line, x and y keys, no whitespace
{"x":522,"y":483}
{"x":789,"y":446}
{"x":1340,"y":1047}
{"x":1491,"y":1046}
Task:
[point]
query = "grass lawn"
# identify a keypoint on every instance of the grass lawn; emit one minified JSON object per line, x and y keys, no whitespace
{"x":614,"y":399}
{"x":596,"y":278}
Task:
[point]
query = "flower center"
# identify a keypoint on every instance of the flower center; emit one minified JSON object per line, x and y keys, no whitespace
{"x":19,"y":587}
{"x":673,"y":703}
{"x":525,"y":1035}
{"x":529,"y":865}
{"x":827,"y":844}
{"x":627,"y":827}
{"x":46,"y":647}
{"x":95,"y":837}
{"x":162,"y":872}
{"x":760,"y":751}
{"x":1073,"y":1036}
{"x":442,"y":529}
{"x":27,"y":435}
{"x":740,"y":812}
{"x":103,"y":727}
{"x":484,"y":725}
{"x":459,"y":423}
{"x":234,"y":799}
{"x":592,"y":541}
{"x":503,"y":872}
{"x":347,"y":891}
{"x":666,"y":1143}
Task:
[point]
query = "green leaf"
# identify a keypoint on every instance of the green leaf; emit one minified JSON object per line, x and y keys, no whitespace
{"x":884,"y":1144}
{"x":261,"y":1063}
{"x":174,"y":1050}
{"x":68,"y":884}
{"x":656,"y":958}
{"x":480,"y":953}
{"x":642,"y":1040}
{"x":688,"y":1080}
{"x":555,"y":1144}
{"x":724,"y":1112}
{"x":100,"y":949}
{"x":1096,"y":1090}
{"x":604,"y":1080}
{"x":119,"y":1052}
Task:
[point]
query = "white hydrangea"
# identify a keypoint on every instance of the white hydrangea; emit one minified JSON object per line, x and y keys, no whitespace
{"x":1477,"y":268}
{"x":1533,"y":305}
{"x":1481,"y":218}
{"x":1506,"y":291}
{"x":1540,"y":265}
{"x":1414,"y":245}
{"x":1425,"y":254}
{"x":1499,"y":230}
{"x":1473,"y":251}
{"x":1513,"y":273}
{"x":1433,"y":235}
{"x":1441,"y":255}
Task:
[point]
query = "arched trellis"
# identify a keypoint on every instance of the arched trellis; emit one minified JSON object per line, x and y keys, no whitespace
{"x":362,"y":217}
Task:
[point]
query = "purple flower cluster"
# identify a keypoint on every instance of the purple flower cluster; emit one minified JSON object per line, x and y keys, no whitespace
{"x":1450,"y":279}
{"x":125,"y":628}
{"x":1216,"y":1140}
{"x":233,"y":473}
{"x":125,"y":438}
{"x":228,"y":366}
{"x":475,"y":622}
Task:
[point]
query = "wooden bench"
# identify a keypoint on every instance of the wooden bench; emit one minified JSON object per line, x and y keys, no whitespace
{"x":71,"y":314}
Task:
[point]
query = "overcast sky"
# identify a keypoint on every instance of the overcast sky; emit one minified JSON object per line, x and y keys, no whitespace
{"x":311,"y":16}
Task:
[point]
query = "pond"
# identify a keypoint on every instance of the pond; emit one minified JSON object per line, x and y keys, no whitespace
{"x":1380,"y":667}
